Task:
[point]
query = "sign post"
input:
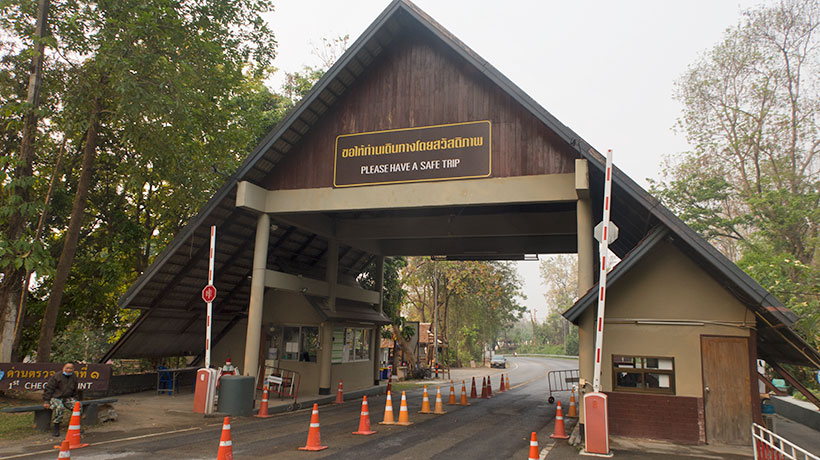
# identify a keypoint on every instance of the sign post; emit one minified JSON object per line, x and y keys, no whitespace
{"x":596,"y":428}
{"x":208,"y":295}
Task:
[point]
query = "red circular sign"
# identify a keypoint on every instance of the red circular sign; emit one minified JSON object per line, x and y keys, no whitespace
{"x":209,"y":293}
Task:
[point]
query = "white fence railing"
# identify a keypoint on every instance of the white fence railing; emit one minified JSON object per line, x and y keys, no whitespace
{"x":769,"y":446}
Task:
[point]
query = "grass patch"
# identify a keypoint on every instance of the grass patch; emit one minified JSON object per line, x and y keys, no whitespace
{"x":405,"y":386}
{"x":16,"y":426}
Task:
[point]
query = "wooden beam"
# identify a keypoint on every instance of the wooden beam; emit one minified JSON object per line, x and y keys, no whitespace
{"x":543,"y":188}
{"x":805,"y":391}
{"x":458,"y":226}
{"x":768,"y":383}
{"x":319,"y":288}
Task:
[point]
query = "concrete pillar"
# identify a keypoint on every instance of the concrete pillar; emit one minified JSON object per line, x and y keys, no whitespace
{"x":380,"y":281}
{"x":586,"y":277}
{"x":332,"y":271}
{"x":377,"y":340}
{"x":260,"y":258}
{"x":325,"y":356}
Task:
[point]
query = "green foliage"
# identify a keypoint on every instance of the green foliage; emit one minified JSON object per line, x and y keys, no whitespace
{"x":180,"y":90}
{"x":571,"y":344}
{"x":393,"y":293}
{"x":750,"y":182}
{"x":477,"y":301}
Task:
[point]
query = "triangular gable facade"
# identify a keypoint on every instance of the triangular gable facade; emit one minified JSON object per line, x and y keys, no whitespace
{"x":404,"y":71}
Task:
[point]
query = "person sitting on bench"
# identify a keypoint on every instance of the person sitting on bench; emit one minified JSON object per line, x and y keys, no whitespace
{"x":60,"y":393}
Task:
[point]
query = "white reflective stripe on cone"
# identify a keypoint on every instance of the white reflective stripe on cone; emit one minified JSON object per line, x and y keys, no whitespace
{"x":314,"y":425}
{"x":225,"y":443}
{"x":403,"y":408}
{"x":315,"y":411}
{"x":365,"y":413}
{"x":534,"y":443}
{"x":559,"y":418}
{"x":226,"y":427}
{"x":73,"y":427}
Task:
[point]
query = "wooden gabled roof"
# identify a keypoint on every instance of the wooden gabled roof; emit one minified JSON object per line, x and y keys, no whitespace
{"x":172,"y":323}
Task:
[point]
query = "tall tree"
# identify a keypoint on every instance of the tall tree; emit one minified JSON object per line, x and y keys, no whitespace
{"x":151,"y":96}
{"x":143,"y":67}
{"x":751,"y":182}
{"x":17,"y":193}
{"x":477,"y":301}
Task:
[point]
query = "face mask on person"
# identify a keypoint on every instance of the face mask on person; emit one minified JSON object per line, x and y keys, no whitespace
{"x":67,"y":373}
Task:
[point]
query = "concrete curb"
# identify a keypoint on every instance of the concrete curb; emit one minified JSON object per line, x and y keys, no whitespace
{"x":799,"y":411}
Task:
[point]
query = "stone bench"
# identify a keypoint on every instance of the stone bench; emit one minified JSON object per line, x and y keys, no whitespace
{"x":42,"y":416}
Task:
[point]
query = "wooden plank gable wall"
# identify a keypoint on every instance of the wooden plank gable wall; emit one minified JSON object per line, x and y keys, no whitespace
{"x":417,"y":82}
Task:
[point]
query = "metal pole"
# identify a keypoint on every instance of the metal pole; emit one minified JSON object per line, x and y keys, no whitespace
{"x":435,"y":314}
{"x":210,"y":304}
{"x":604,"y":247}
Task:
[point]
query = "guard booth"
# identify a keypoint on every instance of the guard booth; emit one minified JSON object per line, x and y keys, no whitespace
{"x":412,"y":144}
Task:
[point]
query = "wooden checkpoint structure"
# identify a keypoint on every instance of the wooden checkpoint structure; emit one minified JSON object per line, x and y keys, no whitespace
{"x":413,"y":145}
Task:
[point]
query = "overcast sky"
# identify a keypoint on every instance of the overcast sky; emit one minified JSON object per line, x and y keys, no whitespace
{"x":606,"y":69}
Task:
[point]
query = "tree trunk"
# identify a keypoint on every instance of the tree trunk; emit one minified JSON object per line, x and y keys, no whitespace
{"x":71,"y":238}
{"x":405,"y":346}
{"x":11,"y":287}
{"x":21,"y":312}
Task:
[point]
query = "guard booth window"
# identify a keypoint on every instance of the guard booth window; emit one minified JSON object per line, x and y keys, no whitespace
{"x":350,"y":344}
{"x":300,"y":343}
{"x":643,"y":374}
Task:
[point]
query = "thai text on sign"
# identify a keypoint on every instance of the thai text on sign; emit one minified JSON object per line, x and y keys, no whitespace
{"x":33,"y":376}
{"x":427,"y":153}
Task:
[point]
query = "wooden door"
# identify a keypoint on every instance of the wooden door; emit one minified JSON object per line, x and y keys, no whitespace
{"x":726,"y":390}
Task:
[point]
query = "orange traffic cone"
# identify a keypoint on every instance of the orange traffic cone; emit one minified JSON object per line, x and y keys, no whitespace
{"x":502,"y":388}
{"x":339,"y":395}
{"x":404,"y":417}
{"x":389,"y":386}
{"x":225,"y":444}
{"x":572,"y":412}
{"x":559,"y":433}
{"x":73,"y":434}
{"x":425,"y":403}
{"x":451,"y":401}
{"x":314,"y":441}
{"x":388,"y":411}
{"x":473,"y":393}
{"x":364,"y":420}
{"x":65,"y":451}
{"x":490,"y":386}
{"x":484,"y":388}
{"x":534,"y":454}
{"x":439,"y":409}
{"x":508,"y":381}
{"x":464,"y":395}
{"x":263,"y":408}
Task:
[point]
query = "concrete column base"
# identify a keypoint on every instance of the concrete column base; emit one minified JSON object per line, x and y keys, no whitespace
{"x":324,"y":391}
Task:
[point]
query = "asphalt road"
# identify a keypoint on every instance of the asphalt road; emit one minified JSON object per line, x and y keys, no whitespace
{"x":497,"y":428}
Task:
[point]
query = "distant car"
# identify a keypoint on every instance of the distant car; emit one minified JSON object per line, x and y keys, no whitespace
{"x":498,"y":361}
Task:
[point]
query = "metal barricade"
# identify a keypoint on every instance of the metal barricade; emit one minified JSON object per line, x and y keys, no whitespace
{"x":563,"y":380}
{"x":769,"y":446}
{"x":282,"y":383}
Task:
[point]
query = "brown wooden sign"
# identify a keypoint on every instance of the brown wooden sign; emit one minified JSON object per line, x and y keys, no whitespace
{"x":33,"y":376}
{"x":427,"y":153}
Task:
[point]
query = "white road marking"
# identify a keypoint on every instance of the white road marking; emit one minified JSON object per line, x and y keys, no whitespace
{"x":131,"y":438}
